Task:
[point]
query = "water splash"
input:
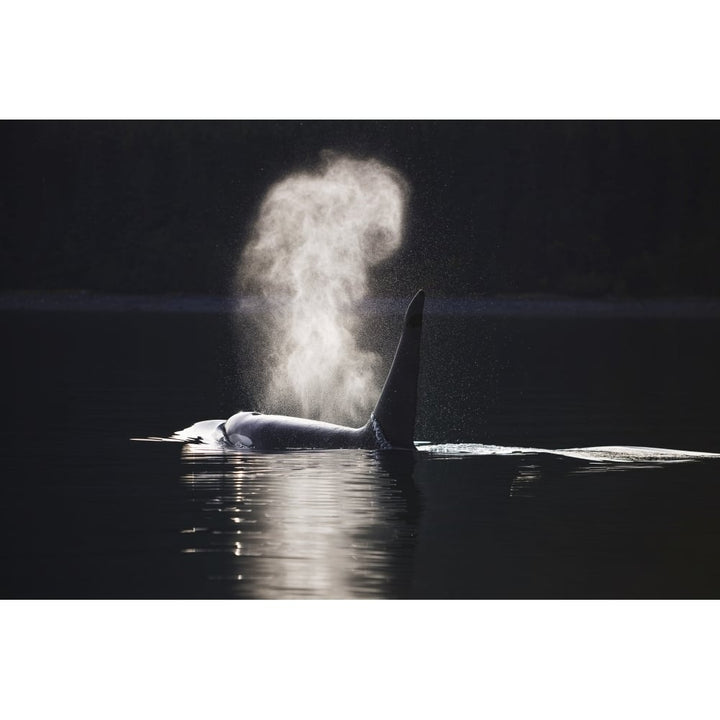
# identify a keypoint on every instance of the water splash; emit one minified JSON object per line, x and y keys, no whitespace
{"x":316,"y":236}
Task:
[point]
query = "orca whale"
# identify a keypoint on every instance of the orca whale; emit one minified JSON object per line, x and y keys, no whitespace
{"x":391,"y":425}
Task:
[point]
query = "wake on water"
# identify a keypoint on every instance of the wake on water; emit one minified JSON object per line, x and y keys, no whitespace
{"x":600,"y":453}
{"x":205,"y":435}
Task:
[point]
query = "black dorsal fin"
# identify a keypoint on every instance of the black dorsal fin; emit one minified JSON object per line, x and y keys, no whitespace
{"x":395,"y":410}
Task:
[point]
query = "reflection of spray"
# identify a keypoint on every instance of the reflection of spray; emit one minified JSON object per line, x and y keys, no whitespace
{"x":316,"y":235}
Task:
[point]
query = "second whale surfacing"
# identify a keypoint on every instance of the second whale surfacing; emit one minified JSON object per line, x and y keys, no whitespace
{"x":391,"y":425}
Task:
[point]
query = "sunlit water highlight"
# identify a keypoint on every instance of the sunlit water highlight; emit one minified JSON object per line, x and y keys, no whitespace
{"x":298,"y":524}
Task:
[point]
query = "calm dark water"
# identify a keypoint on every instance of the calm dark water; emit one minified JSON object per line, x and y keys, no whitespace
{"x":87,"y":513}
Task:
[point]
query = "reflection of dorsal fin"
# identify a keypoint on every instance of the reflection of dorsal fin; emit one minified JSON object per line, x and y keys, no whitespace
{"x":395,"y":410}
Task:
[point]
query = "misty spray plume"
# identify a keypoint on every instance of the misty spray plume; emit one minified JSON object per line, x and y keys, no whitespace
{"x":316,"y":236}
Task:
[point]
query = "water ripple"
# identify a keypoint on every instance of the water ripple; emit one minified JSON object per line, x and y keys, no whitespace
{"x":324,"y":523}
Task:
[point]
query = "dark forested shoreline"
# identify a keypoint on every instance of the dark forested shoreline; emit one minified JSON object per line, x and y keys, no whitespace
{"x":621,"y":209}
